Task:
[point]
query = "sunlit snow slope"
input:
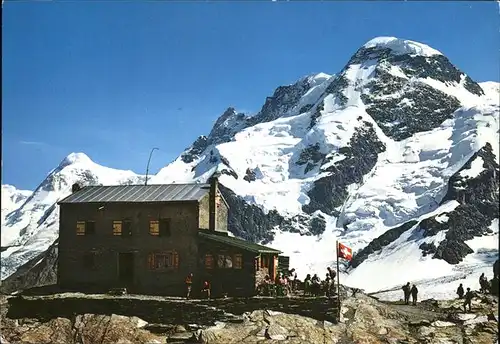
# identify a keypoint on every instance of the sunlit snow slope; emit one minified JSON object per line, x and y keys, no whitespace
{"x":12,"y":199}
{"x":390,"y":156}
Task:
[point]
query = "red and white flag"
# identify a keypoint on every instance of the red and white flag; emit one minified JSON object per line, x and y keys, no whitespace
{"x":344,"y":252}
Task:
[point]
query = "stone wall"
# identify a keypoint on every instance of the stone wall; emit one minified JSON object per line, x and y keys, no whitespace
{"x":165,"y":310}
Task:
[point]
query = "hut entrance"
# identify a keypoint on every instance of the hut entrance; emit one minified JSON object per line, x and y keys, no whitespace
{"x":126,"y":267}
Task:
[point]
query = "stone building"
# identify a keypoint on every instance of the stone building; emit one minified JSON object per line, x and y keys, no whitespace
{"x":148,"y":238}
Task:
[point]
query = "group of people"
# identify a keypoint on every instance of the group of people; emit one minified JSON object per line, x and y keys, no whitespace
{"x":315,"y":287}
{"x":287,"y":283}
{"x":485,"y":287}
{"x":281,"y":286}
{"x":410,"y":290}
{"x":467,"y":297}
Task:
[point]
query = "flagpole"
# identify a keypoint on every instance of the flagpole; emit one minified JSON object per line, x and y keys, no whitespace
{"x":338,"y":282}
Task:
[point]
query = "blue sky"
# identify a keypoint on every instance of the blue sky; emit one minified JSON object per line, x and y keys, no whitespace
{"x":114,"y":79}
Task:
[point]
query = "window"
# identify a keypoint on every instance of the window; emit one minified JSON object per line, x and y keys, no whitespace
{"x":209,"y":261}
{"x":127,"y":228}
{"x":160,"y":228}
{"x":163,"y":260}
{"x":165,"y":227}
{"x":85,"y":227}
{"x":224,"y":261}
{"x":154,"y":227}
{"x":117,"y":228}
{"x":123,"y":228}
{"x":80,"y":228}
{"x":89,"y":260}
{"x":90,"y":227}
{"x":238,"y":261}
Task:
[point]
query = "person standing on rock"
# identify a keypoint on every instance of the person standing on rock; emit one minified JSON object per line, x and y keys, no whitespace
{"x":460,"y":291}
{"x":332,"y":273}
{"x":414,"y":293}
{"x":327,"y":285}
{"x":206,"y":289}
{"x":496,"y":269}
{"x":406,"y":291}
{"x":189,"y":284}
{"x":482,"y":283}
{"x":295,"y":281}
{"x":468,"y":300}
{"x":307,"y":285}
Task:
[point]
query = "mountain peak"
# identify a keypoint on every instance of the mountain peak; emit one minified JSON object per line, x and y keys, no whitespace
{"x":401,"y":46}
{"x":74,"y":158}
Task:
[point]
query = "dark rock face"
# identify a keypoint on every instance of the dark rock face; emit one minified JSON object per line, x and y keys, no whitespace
{"x":479,"y":205}
{"x":427,"y":248}
{"x":377,"y":244}
{"x":417,"y":108}
{"x":431,"y":226}
{"x":482,"y":189}
{"x":284,"y":99}
{"x":437,"y":67}
{"x":306,"y":108}
{"x":224,"y":129}
{"x":316,"y":115}
{"x":250,"y":175}
{"x":39,"y":271}
{"x":464,"y":223}
{"x":196,"y":149}
{"x":361,"y":156}
{"x":248,"y":221}
{"x":336,"y":87}
{"x":310,"y":157}
{"x":229,"y":172}
{"x":214,"y":158}
{"x":317,"y":225}
{"x":305,"y":224}
{"x":412,"y":106}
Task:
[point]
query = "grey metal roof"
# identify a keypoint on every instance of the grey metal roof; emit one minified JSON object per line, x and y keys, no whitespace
{"x":138,"y":193}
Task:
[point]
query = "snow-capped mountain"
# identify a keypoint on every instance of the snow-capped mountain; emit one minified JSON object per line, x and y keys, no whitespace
{"x":396,"y":156}
{"x":12,"y":199}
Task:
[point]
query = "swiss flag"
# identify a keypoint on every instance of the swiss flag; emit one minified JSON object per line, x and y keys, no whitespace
{"x":344,"y":252}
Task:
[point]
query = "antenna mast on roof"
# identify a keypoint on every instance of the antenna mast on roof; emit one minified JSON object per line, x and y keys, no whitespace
{"x":147,"y":167}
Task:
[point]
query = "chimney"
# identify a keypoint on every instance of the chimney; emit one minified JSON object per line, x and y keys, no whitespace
{"x":212,"y":208}
{"x":76,"y":187}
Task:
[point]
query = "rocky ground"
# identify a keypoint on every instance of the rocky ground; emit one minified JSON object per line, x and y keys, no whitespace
{"x":363,"y":320}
